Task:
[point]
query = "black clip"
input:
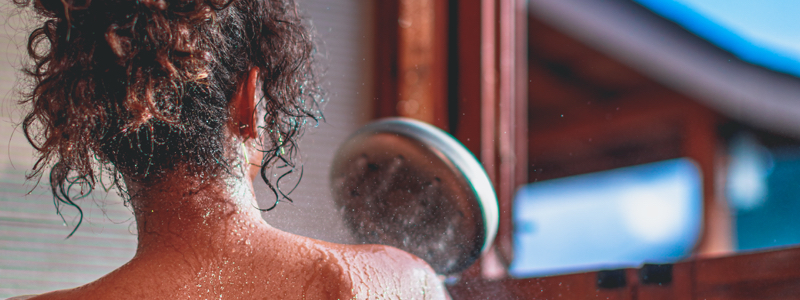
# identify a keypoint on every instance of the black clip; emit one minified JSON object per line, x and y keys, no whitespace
{"x":656,"y":274}
{"x":611,"y":279}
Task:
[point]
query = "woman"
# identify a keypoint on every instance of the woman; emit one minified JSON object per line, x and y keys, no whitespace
{"x":184,"y":103}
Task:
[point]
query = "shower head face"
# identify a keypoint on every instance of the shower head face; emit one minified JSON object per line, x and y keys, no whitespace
{"x":395,"y":188}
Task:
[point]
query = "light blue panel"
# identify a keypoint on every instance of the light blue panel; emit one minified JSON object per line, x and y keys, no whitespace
{"x":611,"y":219}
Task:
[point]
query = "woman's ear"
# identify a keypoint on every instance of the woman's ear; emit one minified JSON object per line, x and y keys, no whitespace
{"x":243,"y":106}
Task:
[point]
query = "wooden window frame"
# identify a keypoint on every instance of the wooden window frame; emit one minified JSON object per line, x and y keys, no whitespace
{"x":477,"y":66}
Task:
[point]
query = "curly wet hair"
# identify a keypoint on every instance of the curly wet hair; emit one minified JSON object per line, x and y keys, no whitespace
{"x":142,"y":87}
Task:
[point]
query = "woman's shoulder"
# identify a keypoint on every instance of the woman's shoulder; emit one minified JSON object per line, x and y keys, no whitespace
{"x":378,"y":269}
{"x":386,"y":256}
{"x":23,"y":297}
{"x":369,"y":271}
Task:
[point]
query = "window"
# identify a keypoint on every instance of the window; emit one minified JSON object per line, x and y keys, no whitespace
{"x":610,"y":219}
{"x":762,"y":189}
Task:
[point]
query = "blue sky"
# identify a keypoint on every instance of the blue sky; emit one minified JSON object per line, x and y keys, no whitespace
{"x":764,"y":32}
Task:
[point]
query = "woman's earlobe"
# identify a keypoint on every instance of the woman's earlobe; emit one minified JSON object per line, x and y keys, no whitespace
{"x":245,"y":105}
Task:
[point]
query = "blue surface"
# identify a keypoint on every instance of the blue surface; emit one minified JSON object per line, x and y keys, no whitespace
{"x":776,"y":221}
{"x":611,"y":219}
{"x":765,"y":33}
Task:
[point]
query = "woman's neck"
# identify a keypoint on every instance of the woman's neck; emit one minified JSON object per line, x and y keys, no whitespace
{"x":190,"y":216}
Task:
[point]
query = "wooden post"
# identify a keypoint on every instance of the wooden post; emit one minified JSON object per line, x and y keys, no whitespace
{"x":492,"y":94}
{"x":486,"y":78}
{"x":411,"y":71}
{"x":701,"y":144}
{"x":386,"y":53}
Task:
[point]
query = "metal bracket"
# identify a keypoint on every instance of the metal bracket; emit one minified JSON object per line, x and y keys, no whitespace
{"x":611,"y":279}
{"x":656,"y":274}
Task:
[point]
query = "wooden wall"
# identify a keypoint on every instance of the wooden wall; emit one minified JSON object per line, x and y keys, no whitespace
{"x":763,"y":275}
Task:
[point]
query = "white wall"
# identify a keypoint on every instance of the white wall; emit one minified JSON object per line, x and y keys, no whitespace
{"x":346,"y":44}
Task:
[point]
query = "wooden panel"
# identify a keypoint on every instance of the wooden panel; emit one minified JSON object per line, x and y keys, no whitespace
{"x":581,"y":61}
{"x":766,"y":275}
{"x":648,"y":128}
{"x":573,"y":286}
{"x":547,"y":90}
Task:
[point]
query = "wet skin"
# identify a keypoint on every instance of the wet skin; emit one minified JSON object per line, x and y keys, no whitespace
{"x":204,"y":238}
{"x":240,"y":261}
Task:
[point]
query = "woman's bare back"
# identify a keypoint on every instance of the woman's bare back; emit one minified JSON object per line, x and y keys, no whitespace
{"x":276,"y":266}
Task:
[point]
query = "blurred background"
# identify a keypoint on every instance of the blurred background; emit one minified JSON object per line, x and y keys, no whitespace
{"x":618,"y":133}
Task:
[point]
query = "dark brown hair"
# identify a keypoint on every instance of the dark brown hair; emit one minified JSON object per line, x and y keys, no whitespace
{"x":141,"y":87}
